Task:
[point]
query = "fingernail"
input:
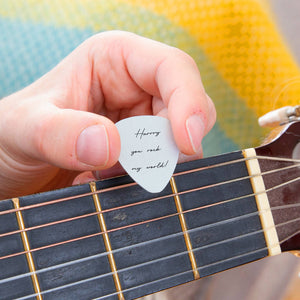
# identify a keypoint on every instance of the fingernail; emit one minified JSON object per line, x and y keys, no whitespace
{"x":195,"y":128}
{"x":92,"y":146}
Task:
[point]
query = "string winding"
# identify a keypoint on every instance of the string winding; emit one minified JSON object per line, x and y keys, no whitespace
{"x":152,"y":261}
{"x":296,"y":164}
{"x":149,"y":220}
{"x":104,"y":190}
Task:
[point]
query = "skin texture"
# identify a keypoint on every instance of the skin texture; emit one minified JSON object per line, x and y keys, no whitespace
{"x":60,"y":129}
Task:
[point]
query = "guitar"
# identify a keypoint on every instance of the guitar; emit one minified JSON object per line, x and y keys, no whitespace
{"x":112,"y":240}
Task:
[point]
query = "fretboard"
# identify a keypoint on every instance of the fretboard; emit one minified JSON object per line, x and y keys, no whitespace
{"x":205,"y":222}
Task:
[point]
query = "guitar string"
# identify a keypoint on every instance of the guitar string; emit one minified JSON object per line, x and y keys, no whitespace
{"x":161,"y":259}
{"x":138,"y":286}
{"x":141,"y":285}
{"x":166,"y":237}
{"x":172,"y":276}
{"x":128,"y":205}
{"x":146,"y":201}
{"x":151,"y":200}
{"x":144,"y":222}
{"x":291,"y":235}
{"x":147,"y":221}
{"x":166,"y":258}
{"x":104,"y":190}
{"x":130,"y":247}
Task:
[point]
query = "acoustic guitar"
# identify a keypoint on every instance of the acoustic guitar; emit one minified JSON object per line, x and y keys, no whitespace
{"x":113,"y":240}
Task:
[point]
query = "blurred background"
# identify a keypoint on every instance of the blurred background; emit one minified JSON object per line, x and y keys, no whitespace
{"x":248,"y":53}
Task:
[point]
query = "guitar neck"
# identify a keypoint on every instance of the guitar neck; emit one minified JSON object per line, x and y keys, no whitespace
{"x":113,"y":240}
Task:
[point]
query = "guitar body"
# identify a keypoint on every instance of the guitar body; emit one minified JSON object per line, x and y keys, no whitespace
{"x":113,"y":240}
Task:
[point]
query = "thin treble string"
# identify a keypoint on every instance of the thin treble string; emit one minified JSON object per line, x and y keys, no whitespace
{"x":147,"y":221}
{"x":104,"y":190}
{"x":183,"y":273}
{"x":134,"y":224}
{"x":290,"y":236}
{"x":285,"y":206}
{"x":130,"y":247}
{"x":281,"y":159}
{"x":165,"y":258}
{"x":220,"y":223}
{"x":176,"y":275}
{"x":149,"y":200}
{"x":289,"y":206}
{"x":147,"y":263}
{"x":161,"y":259}
{"x":153,"y":261}
{"x":142,"y":285}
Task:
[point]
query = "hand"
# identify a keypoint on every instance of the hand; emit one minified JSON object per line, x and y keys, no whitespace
{"x":63,"y":123}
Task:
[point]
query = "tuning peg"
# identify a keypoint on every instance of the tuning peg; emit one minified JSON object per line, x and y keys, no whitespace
{"x":280,"y":116}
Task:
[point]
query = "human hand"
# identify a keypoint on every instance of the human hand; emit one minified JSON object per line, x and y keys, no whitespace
{"x":63,"y":123}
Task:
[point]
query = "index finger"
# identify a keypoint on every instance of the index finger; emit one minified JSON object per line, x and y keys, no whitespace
{"x":171,"y":75}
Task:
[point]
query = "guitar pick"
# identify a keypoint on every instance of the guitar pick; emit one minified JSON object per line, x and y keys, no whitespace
{"x":148,"y":151}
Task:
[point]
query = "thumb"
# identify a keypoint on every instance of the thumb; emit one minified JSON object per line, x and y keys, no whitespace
{"x":67,"y":138}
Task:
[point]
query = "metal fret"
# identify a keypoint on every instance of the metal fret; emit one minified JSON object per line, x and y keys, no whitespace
{"x":26,"y":245}
{"x":107,"y":241}
{"x":184,"y":228}
{"x":215,"y":200}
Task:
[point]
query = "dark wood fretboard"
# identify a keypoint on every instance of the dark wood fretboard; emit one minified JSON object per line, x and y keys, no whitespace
{"x":144,"y":230}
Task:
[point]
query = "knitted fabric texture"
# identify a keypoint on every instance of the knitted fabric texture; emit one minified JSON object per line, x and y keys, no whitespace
{"x":245,"y":65}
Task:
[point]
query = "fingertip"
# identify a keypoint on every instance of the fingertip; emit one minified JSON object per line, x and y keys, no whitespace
{"x":191,"y":121}
{"x":92,"y":147}
{"x":116,"y":170}
{"x":195,"y":128}
{"x":212,"y":114}
{"x":83,"y":178}
{"x":114,"y":144}
{"x":98,"y":145}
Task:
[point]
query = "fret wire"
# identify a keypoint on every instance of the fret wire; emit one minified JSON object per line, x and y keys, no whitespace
{"x":156,"y":199}
{"x":26,"y":247}
{"x":160,"y":259}
{"x":106,"y":241}
{"x":134,"y":183}
{"x":148,"y":221}
{"x":184,"y":228}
